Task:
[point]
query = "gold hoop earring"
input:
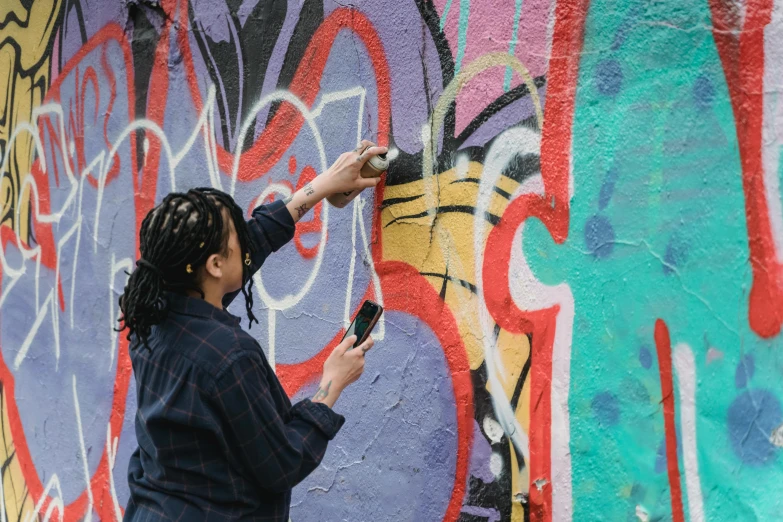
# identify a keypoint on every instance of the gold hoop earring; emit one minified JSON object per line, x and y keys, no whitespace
{"x":189,"y":269}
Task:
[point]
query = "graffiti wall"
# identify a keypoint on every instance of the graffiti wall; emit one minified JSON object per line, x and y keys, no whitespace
{"x":579,"y":244}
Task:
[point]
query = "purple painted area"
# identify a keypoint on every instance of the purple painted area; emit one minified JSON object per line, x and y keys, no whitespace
{"x":516,"y":111}
{"x":213,"y":19}
{"x":492,"y":515}
{"x":395,"y":459}
{"x":479,"y":457}
{"x":277,"y":59}
{"x":85,"y":18}
{"x":409,"y":49}
{"x":79,"y":326}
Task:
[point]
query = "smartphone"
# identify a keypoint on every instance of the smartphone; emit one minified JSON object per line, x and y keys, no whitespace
{"x":364,"y":322}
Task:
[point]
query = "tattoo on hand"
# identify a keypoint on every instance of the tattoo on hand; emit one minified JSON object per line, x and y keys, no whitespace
{"x":365,"y":349}
{"x":308,"y":189}
{"x":302,"y":210}
{"x":359,"y":158}
{"x":322,"y":392}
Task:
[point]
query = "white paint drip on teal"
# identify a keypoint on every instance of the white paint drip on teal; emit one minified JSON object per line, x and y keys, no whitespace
{"x":512,"y":44}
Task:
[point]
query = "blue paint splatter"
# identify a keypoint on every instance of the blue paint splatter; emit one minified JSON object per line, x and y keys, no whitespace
{"x":638,"y":492}
{"x":703,"y":92}
{"x":676,"y":254}
{"x":745,"y":370}
{"x":599,"y":236}
{"x":645,"y":357}
{"x":607,"y":408}
{"x":660,"y":458}
{"x":625,"y":28}
{"x":609,"y":77}
{"x":607,"y":188}
{"x":751,"y":419}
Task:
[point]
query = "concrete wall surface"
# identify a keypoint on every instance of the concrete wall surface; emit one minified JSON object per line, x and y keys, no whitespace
{"x":579,"y":244}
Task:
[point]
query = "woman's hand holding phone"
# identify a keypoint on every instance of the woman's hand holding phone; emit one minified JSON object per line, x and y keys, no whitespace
{"x":343,"y":367}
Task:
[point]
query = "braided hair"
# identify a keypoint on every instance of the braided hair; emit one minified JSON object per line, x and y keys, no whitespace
{"x":176,"y":238}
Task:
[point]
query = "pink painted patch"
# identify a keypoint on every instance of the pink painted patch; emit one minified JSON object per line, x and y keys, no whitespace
{"x":440,"y":5}
{"x":451,"y":28}
{"x":490,"y":29}
{"x":713,"y":355}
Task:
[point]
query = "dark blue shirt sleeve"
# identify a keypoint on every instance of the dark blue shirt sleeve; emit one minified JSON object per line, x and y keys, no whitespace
{"x":271,"y":227}
{"x":279,"y":448}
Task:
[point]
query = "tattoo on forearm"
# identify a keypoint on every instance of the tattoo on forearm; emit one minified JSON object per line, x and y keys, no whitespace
{"x":322,"y":392}
{"x":302,"y":210}
{"x":308,"y":189}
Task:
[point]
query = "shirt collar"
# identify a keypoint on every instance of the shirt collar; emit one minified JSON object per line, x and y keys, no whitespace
{"x":197,"y":307}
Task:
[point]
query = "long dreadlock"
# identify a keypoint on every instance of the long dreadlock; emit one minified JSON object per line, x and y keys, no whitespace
{"x":176,"y":238}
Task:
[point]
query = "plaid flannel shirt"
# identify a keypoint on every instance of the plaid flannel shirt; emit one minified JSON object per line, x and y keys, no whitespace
{"x":218,"y":439}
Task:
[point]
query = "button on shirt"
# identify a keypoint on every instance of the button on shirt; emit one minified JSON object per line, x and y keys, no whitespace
{"x":218,"y":438}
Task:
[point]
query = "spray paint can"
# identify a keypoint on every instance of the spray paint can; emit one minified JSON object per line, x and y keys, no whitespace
{"x":372,"y":168}
{"x":375,"y":166}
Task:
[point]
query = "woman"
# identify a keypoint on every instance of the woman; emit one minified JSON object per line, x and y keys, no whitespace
{"x":218,"y":438}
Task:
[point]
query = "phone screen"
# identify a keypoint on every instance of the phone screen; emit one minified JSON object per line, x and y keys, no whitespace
{"x":362,"y":321}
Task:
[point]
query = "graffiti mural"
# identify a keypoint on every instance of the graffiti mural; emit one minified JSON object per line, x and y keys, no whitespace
{"x":579,"y":244}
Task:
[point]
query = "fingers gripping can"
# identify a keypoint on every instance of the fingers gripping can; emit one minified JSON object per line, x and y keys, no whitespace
{"x":372,"y":168}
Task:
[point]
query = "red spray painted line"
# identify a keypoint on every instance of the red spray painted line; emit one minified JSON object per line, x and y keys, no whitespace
{"x":664,"y":347}
{"x":405,"y":290}
{"x":740,"y":43}
{"x":112,"y":33}
{"x":553,"y":211}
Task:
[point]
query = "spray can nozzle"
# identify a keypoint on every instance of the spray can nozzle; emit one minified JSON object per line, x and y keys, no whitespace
{"x":375,"y":166}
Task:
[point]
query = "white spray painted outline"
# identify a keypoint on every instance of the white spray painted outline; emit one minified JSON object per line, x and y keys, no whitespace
{"x":528,"y":293}
{"x":102,"y":163}
{"x":111,"y":454}
{"x":83,"y":453}
{"x":685,"y":368}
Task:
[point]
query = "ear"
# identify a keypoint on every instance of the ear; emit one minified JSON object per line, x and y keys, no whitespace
{"x":214,"y":266}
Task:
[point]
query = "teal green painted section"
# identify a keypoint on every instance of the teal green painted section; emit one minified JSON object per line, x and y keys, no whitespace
{"x":512,"y":44}
{"x":462,"y":37}
{"x":655,"y":156}
{"x":445,"y":14}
